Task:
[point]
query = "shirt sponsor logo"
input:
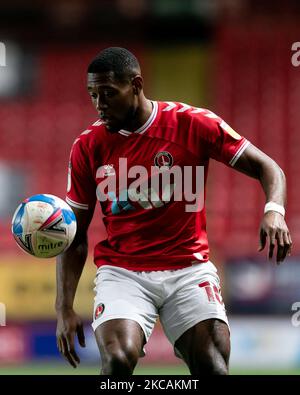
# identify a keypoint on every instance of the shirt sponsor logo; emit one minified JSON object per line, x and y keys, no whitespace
{"x":107,"y":170}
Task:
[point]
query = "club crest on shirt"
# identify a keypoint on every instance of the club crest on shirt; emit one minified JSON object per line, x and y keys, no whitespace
{"x":99,"y":310}
{"x":163,"y":158}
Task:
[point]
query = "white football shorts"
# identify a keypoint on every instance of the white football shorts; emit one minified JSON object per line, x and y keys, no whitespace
{"x":179,"y":298}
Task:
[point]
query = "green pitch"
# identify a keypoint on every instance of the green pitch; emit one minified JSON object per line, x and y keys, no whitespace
{"x":46,"y":368}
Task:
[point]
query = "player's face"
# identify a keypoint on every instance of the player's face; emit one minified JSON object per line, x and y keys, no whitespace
{"x":115,"y":101}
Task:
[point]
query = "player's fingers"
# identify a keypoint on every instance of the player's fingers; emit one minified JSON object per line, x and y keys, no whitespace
{"x":272,"y":243}
{"x":66,"y":353}
{"x":280,"y":247}
{"x":62,"y":345}
{"x":80,"y":335}
{"x":285,"y":252}
{"x":287,"y":245}
{"x":262,"y":239}
{"x":74,"y":356}
{"x":58,"y":343}
{"x":71,"y":348}
{"x":290,"y":243}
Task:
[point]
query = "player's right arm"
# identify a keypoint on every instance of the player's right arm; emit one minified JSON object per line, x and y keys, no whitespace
{"x":82,"y":198}
{"x":68,"y":272}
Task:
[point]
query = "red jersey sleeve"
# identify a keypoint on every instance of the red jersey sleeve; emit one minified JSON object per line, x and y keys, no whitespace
{"x":222,"y":142}
{"x":81,"y":189}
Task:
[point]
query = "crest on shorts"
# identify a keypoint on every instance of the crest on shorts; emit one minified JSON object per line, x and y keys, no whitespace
{"x":163,"y":158}
{"x":99,"y":310}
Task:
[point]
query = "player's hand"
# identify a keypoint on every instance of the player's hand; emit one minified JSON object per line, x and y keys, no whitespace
{"x":273,"y":226}
{"x":68,"y":325}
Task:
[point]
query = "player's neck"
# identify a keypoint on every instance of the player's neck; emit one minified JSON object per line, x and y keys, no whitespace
{"x":142,"y":114}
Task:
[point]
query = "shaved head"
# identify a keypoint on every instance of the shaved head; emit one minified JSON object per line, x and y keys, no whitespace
{"x":121,"y":62}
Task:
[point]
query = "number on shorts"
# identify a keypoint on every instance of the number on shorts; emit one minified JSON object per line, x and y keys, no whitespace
{"x":212,"y":292}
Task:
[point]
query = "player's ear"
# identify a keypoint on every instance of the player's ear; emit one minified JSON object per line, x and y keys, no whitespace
{"x":137,"y":84}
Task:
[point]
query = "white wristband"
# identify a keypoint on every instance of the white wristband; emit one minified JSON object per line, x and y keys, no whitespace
{"x":272,"y":206}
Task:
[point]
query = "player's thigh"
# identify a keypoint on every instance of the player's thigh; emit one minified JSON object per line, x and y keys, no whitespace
{"x":197,"y":298}
{"x":124,"y":313}
{"x":120,"y":336}
{"x":206,"y":345}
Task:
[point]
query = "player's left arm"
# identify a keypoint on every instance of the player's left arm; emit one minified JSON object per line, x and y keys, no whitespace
{"x":257,"y":164}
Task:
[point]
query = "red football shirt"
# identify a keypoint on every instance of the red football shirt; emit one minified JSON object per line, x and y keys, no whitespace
{"x":150,"y":228}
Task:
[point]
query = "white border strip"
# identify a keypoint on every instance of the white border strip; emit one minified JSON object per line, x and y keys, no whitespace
{"x":123,"y":133}
{"x":239,"y":152}
{"x":152,"y":117}
{"x":146,"y":125}
{"x":77,"y":205}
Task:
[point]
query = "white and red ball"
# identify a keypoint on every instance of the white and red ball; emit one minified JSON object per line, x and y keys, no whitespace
{"x":44,"y":225}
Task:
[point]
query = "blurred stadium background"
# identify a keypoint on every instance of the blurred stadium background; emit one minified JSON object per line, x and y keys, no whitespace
{"x":231,"y":56}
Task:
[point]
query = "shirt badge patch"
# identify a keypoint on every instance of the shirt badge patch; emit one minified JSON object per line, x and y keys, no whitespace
{"x":163,"y":158}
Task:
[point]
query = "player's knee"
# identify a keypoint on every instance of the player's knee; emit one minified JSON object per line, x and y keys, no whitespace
{"x":119,"y":361}
{"x":208,"y":364}
{"x":209,"y":368}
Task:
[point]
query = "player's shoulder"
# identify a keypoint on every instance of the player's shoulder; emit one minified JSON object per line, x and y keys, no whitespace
{"x":90,"y":135}
{"x":184,"y":111}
